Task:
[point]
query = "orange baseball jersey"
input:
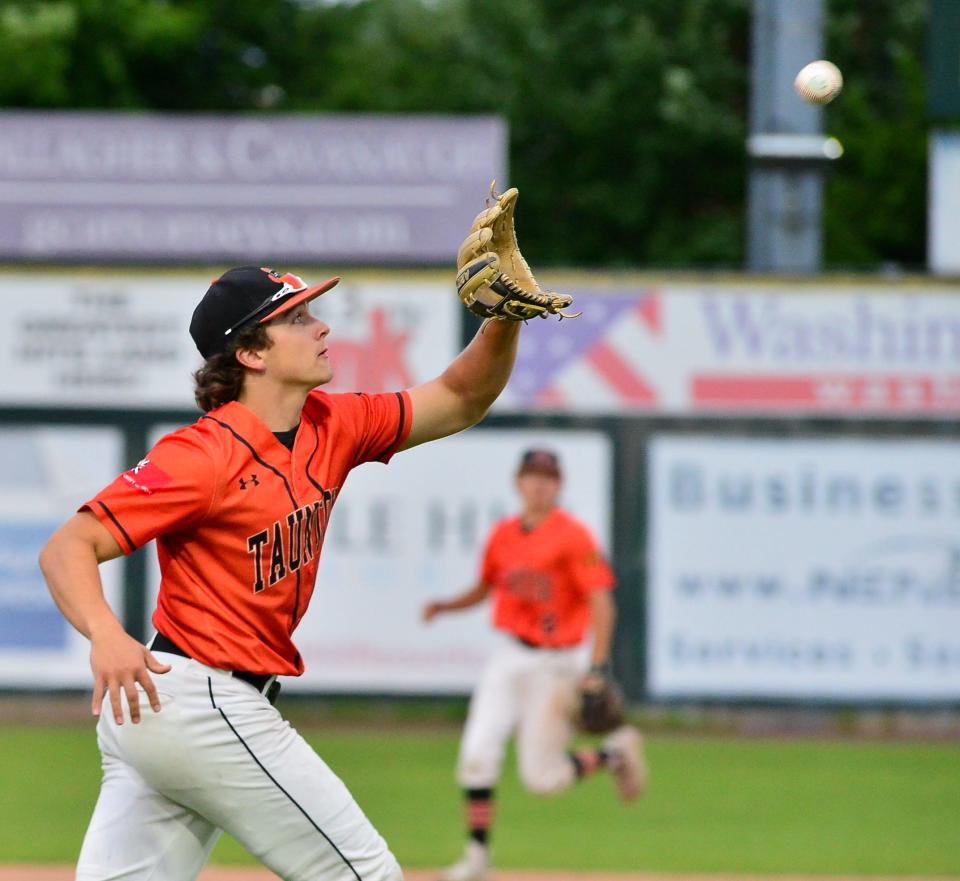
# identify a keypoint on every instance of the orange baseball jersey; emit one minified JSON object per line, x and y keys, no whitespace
{"x":239,"y":520}
{"x":540,"y":579}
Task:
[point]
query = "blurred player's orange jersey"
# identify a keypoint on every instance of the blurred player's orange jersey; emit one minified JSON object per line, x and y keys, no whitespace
{"x":239,"y":520}
{"x":541,"y":578}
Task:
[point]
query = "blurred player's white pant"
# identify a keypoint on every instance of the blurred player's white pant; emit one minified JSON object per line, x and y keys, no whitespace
{"x":533,"y":692}
{"x":218,"y":756}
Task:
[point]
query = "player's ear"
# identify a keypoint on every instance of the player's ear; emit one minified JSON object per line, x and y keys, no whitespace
{"x":250,"y":358}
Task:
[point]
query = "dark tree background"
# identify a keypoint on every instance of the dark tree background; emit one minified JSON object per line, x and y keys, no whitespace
{"x":627,"y":119}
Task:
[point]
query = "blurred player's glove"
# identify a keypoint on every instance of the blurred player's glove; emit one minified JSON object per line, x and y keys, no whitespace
{"x":601,"y":706}
{"x":493,"y":279}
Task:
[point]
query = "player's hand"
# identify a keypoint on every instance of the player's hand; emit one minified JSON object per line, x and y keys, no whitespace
{"x":119,"y":662}
{"x":431,"y":610}
{"x":595,"y":678}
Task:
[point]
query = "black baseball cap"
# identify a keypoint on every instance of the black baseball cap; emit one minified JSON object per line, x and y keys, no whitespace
{"x":243,"y":296}
{"x":540,"y":462}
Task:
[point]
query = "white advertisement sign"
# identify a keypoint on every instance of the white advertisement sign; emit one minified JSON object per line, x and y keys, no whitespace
{"x":744,"y":348}
{"x":45,"y":474}
{"x":412,"y":531}
{"x":109,"y":340}
{"x":814,"y":569}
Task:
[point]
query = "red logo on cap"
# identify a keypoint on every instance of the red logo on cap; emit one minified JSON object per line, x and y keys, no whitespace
{"x":290,"y":281}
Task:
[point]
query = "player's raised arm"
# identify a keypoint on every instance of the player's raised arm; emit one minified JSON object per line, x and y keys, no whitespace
{"x":69,"y":563}
{"x":494,"y":282}
{"x":462,"y":394}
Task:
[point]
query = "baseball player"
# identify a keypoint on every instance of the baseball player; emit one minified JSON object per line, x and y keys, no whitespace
{"x":238,"y":504}
{"x":549,"y":585}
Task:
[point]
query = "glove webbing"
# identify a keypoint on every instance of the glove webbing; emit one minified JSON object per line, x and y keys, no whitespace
{"x":506,"y":286}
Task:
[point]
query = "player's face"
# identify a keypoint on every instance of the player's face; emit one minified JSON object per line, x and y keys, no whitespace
{"x":538,"y":491}
{"x":298,"y":355}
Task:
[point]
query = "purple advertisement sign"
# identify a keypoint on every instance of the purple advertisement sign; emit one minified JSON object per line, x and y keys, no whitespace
{"x":352,"y":188}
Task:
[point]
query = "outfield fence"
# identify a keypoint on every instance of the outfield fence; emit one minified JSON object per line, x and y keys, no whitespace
{"x":771,"y":465}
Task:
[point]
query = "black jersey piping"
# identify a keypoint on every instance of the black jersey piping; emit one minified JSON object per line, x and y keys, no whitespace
{"x":296,"y":603}
{"x":255,"y":455}
{"x":403,"y":414}
{"x":293,"y":501}
{"x":316,"y":446}
{"x":119,"y":526}
{"x":273,"y":780}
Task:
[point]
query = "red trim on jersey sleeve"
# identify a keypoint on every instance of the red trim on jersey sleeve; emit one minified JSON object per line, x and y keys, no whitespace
{"x":171,"y":488}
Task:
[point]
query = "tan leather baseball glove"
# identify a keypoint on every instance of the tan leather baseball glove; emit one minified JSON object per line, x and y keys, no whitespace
{"x":601,"y":708}
{"x":493,"y":279}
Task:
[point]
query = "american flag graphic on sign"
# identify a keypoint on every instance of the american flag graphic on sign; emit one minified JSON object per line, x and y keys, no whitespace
{"x":591,"y":362}
{"x":700,"y":347}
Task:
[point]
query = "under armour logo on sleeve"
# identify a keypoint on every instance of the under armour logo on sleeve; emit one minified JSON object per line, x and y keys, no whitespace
{"x":253,"y":480}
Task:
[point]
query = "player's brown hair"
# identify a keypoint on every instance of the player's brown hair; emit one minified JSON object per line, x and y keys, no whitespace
{"x":220,"y":379}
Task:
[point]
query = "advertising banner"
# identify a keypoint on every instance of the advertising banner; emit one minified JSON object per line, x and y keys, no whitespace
{"x":108,"y":340}
{"x":413,"y":531}
{"x":45,"y":473}
{"x":738,"y":349}
{"x":135,"y":186}
{"x":808,"y":569}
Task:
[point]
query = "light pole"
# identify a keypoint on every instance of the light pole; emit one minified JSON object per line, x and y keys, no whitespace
{"x":787,"y":150}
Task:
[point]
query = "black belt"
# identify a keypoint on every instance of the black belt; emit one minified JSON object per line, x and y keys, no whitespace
{"x":265,"y":683}
{"x":530,"y":644}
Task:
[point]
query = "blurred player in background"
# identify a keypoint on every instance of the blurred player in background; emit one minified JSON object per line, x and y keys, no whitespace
{"x":550,"y":587}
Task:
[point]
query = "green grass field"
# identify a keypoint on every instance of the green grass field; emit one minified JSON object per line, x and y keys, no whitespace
{"x":715,"y":805}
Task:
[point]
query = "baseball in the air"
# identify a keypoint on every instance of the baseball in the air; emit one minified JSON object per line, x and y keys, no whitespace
{"x":819,"y":82}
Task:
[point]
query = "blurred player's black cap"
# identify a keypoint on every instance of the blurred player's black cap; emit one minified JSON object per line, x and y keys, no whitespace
{"x":243,"y":296}
{"x":540,"y":462}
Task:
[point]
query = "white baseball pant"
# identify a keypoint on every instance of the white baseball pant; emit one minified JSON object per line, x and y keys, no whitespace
{"x":532,"y":691}
{"x":217,"y":757}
